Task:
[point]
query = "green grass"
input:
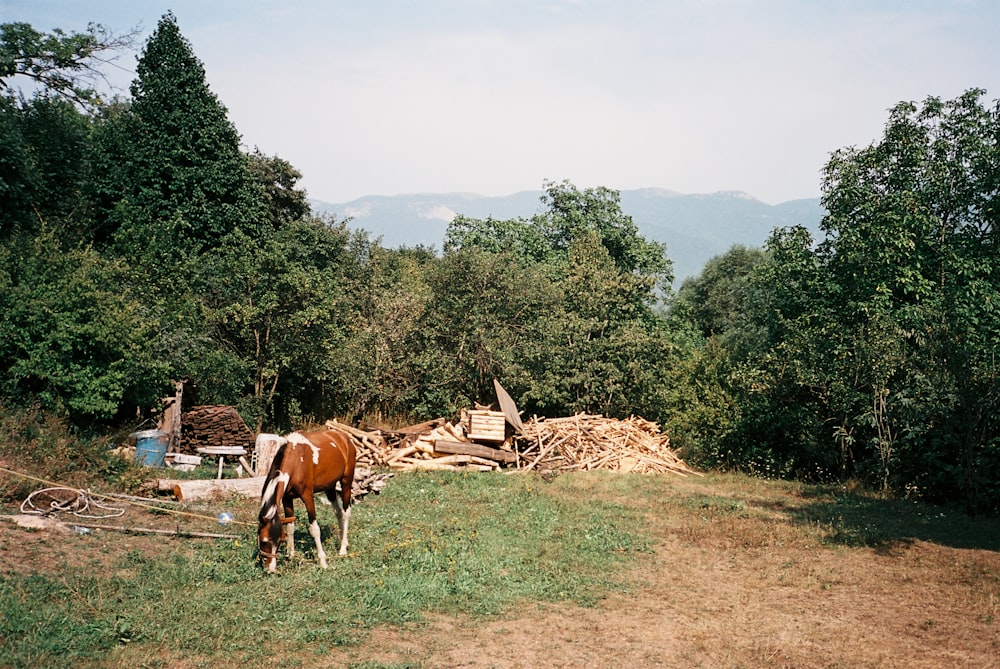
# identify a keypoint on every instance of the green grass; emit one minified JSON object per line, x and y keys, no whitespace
{"x":469,"y":545}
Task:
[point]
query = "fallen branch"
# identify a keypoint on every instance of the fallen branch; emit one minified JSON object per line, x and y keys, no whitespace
{"x":149,"y":530}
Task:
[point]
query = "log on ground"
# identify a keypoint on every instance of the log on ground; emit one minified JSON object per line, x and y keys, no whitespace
{"x":467,"y":448}
{"x":209,"y":489}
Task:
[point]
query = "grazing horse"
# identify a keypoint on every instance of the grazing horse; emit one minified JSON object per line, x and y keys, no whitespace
{"x":307,"y":463}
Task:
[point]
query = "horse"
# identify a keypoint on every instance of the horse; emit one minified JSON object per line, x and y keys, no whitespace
{"x":305,"y":463}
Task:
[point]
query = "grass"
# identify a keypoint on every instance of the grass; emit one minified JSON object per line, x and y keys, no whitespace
{"x":484,"y":549}
{"x":468,"y":545}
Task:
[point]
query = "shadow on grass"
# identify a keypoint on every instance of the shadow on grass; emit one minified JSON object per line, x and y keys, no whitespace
{"x":859,"y":519}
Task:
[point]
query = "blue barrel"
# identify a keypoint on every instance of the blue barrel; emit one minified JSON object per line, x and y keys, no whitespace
{"x":150,"y":447}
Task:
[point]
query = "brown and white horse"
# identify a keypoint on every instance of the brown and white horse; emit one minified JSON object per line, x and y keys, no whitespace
{"x":307,"y":463}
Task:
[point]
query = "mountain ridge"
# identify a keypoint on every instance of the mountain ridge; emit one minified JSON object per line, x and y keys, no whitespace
{"x":695,"y":227}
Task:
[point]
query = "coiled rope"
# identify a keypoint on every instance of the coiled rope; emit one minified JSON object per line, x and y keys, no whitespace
{"x":78,"y":502}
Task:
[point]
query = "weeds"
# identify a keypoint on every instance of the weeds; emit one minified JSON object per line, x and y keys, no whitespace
{"x":42,"y":445}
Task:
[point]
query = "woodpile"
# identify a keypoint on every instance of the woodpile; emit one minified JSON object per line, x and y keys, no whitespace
{"x":370,"y":445}
{"x":439,"y":445}
{"x":577,"y":443}
{"x":585,"y":442}
{"x":213,"y":425}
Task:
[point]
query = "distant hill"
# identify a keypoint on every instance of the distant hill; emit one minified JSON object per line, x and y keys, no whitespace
{"x":695,"y":228}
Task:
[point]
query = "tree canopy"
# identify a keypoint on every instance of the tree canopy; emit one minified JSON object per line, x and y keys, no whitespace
{"x":62,"y":64}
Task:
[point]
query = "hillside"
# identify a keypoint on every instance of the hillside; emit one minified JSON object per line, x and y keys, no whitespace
{"x":695,"y":228}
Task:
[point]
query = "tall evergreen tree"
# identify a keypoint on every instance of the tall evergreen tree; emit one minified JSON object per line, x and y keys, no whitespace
{"x":178,"y":181}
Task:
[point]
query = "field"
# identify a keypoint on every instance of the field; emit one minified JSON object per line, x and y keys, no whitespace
{"x":504,"y":571}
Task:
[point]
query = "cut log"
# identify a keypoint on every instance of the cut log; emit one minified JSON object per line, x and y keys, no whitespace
{"x":209,"y":489}
{"x":266,"y":446}
{"x":466,"y":448}
{"x":411,"y":464}
{"x":400,"y":453}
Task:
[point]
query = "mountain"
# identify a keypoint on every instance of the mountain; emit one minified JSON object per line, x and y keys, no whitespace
{"x":695,"y":228}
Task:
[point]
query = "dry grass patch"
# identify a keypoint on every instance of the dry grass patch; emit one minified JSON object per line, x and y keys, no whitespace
{"x":751,"y":573}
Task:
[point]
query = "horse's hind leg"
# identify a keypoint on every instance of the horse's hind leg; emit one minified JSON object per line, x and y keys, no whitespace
{"x":310,"y":503}
{"x":343,"y":518}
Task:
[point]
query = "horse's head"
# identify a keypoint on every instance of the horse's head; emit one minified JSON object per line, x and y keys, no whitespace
{"x":269,"y":529}
{"x":268,"y":540}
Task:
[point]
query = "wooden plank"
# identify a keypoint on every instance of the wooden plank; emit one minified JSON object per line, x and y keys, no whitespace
{"x":510,"y":412}
{"x":465,"y":448}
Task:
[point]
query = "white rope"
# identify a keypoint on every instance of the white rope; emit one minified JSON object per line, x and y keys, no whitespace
{"x":79,"y":503}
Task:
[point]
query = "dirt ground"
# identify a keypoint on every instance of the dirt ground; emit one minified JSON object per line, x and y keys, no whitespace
{"x":747,"y":590}
{"x":733,"y":611}
{"x":726,"y":590}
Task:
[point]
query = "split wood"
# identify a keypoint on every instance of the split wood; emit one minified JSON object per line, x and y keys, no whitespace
{"x":582,"y":442}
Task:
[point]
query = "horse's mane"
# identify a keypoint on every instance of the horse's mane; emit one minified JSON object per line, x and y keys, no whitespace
{"x":272,"y":494}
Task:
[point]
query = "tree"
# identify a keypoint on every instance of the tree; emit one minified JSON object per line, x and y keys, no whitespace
{"x":716,"y":298}
{"x":571,"y":214}
{"x":381,"y":361}
{"x":75,"y":338}
{"x":176,"y":181}
{"x":593,"y":337}
{"x":278,"y":179}
{"x":484,"y":313}
{"x":595,"y":334}
{"x":42,"y":147}
{"x":885,"y":333}
{"x":276,"y":306}
{"x":65,"y":65}
{"x":912,"y":228}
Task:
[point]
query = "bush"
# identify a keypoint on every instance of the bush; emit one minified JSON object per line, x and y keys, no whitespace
{"x":41,"y":445}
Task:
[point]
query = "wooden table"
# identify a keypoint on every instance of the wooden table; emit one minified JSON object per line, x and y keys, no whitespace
{"x":222,"y":452}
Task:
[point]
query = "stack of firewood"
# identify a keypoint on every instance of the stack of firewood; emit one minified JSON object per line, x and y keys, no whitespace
{"x":578,"y":443}
{"x":439,"y":445}
{"x":213,"y":425}
{"x":371,"y":446}
{"x":585,"y":442}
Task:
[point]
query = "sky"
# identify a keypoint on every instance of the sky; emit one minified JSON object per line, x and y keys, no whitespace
{"x":386,"y":97}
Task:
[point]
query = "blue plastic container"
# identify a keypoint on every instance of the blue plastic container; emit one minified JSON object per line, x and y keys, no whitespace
{"x":150,"y":447}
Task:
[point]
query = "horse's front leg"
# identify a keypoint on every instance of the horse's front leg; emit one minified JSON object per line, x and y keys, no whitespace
{"x":288,"y":524}
{"x":310,"y":503}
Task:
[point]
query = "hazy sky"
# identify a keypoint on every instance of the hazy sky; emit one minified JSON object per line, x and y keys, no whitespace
{"x":497,"y":96}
